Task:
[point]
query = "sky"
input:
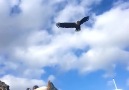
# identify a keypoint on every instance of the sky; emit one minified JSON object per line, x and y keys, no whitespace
{"x":33,"y":50}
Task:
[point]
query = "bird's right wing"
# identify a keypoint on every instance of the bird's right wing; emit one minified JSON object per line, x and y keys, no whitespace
{"x":66,"y":25}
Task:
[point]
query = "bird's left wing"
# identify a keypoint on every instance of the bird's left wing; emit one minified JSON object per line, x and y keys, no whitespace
{"x":84,"y":20}
{"x":66,"y":25}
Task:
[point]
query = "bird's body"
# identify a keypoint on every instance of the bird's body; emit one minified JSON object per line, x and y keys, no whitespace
{"x":76,"y":25}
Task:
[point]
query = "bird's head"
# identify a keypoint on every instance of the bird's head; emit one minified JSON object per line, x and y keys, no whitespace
{"x":58,"y":24}
{"x":78,"y":22}
{"x":87,"y":18}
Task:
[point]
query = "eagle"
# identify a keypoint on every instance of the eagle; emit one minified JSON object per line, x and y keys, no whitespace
{"x":76,"y":25}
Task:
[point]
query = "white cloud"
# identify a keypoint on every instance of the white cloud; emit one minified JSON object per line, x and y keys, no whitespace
{"x":14,"y":2}
{"x":17,"y":83}
{"x":33,"y":73}
{"x":29,"y":47}
{"x":51,"y":78}
{"x":70,"y":12}
{"x":87,"y":3}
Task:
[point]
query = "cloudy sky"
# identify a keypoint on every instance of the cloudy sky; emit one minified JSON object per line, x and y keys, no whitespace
{"x":33,"y":50}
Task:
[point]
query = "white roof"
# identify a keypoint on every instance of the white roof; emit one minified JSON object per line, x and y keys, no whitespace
{"x":42,"y":88}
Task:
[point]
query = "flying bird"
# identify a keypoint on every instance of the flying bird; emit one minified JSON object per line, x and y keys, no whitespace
{"x":76,"y":25}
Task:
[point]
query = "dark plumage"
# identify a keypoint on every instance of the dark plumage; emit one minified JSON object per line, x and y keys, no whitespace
{"x":76,"y":25}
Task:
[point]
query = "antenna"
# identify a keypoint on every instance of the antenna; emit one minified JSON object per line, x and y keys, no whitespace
{"x":115,"y":85}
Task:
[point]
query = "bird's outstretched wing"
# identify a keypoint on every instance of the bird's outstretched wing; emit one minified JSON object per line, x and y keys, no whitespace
{"x":84,"y":20}
{"x":66,"y":25}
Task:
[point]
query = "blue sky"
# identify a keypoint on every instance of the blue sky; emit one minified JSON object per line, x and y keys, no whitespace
{"x":33,"y":50}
